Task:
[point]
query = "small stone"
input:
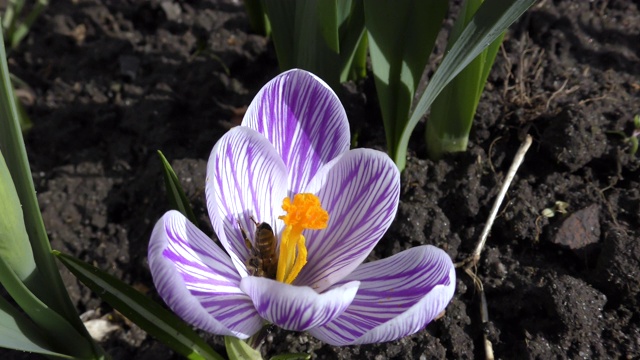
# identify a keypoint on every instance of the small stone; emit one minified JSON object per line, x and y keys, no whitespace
{"x":580,"y":230}
{"x":100,"y":328}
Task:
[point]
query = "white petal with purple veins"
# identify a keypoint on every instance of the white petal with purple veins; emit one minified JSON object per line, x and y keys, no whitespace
{"x":398,"y":296}
{"x":197,"y":279}
{"x":303,"y":119}
{"x":360,"y":191}
{"x":245,"y":178}
{"x":297,"y":307}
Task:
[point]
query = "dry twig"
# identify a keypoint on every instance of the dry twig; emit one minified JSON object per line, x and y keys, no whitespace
{"x":471,"y":262}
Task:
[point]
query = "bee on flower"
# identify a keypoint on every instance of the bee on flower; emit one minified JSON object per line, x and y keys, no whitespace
{"x":289,"y":167}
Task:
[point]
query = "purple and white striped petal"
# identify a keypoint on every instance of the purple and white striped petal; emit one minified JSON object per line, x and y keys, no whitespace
{"x":297,"y":308}
{"x":197,"y":279}
{"x":398,"y":296}
{"x":303,"y":119}
{"x":245,"y":178}
{"x":360,"y":191}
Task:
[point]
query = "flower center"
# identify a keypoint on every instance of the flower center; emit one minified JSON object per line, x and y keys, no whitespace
{"x":304,"y":212}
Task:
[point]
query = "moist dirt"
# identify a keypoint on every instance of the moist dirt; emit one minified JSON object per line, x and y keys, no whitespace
{"x":110,"y":83}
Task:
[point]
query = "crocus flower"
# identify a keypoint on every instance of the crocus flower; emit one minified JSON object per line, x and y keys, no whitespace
{"x":289,"y":166}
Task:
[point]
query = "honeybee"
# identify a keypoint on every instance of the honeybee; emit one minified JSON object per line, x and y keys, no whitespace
{"x":263,"y":260}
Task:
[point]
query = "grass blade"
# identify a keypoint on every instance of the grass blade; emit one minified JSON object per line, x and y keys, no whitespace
{"x":56,"y":328}
{"x":51,"y":289}
{"x":176,"y":195}
{"x":17,"y":332}
{"x":401,"y":35}
{"x":305,"y":34}
{"x":491,"y":19}
{"x":353,"y":41}
{"x":146,"y":313}
{"x":453,"y":110}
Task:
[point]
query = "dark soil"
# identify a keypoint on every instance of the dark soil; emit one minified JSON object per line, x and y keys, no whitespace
{"x":113,"y":82}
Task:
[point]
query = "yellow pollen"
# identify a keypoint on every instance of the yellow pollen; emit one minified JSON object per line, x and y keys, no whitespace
{"x":304,"y":212}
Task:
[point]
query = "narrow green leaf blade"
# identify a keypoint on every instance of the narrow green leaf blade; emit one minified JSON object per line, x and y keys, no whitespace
{"x":175,"y":193}
{"x":56,"y":328}
{"x":490,"y":57}
{"x":282,"y":15}
{"x":257,"y":16}
{"x":240,"y":350}
{"x":311,"y":50}
{"x":17,"y":332}
{"x":353,"y":41}
{"x":15,"y":247}
{"x":491,"y":19}
{"x":401,"y":35}
{"x":327,"y":13}
{"x":146,"y":313}
{"x":48,"y":283}
{"x":452,"y":112}
{"x":305,"y":36}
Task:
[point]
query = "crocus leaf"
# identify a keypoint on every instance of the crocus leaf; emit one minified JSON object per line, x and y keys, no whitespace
{"x":240,"y":350}
{"x":305,"y":35}
{"x":453,"y":110}
{"x":315,"y":47}
{"x":491,"y":19}
{"x":634,"y":145}
{"x":15,"y":248}
{"x":46,"y":283}
{"x":401,"y":34}
{"x":257,"y":16}
{"x":353,"y":43}
{"x":56,"y":328}
{"x":281,"y":15}
{"x":358,"y":68}
{"x":19,"y":29}
{"x":175,"y":193}
{"x":327,"y":12}
{"x":17,"y":332}
{"x":147,"y":314}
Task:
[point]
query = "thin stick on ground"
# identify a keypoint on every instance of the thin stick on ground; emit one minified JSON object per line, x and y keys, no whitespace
{"x":517,"y":161}
{"x":472,"y":261}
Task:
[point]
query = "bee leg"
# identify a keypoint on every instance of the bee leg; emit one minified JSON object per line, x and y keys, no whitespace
{"x":254,"y":221}
{"x":254,"y":267}
{"x":247,"y":242}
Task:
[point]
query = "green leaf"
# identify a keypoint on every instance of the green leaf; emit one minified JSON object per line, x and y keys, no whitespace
{"x":147,"y":314}
{"x":358,"y":68}
{"x":257,"y":17}
{"x":17,"y":332}
{"x":452,"y":112}
{"x":401,"y":35}
{"x":17,"y":29}
{"x":240,"y":350}
{"x":314,"y":41}
{"x":327,"y":13}
{"x":353,"y":41}
{"x":305,"y":35}
{"x":281,"y":15}
{"x":176,"y":195}
{"x":45,"y":283}
{"x":56,"y":328}
{"x":491,"y":19}
{"x":15,"y":248}
{"x":634,"y":145}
